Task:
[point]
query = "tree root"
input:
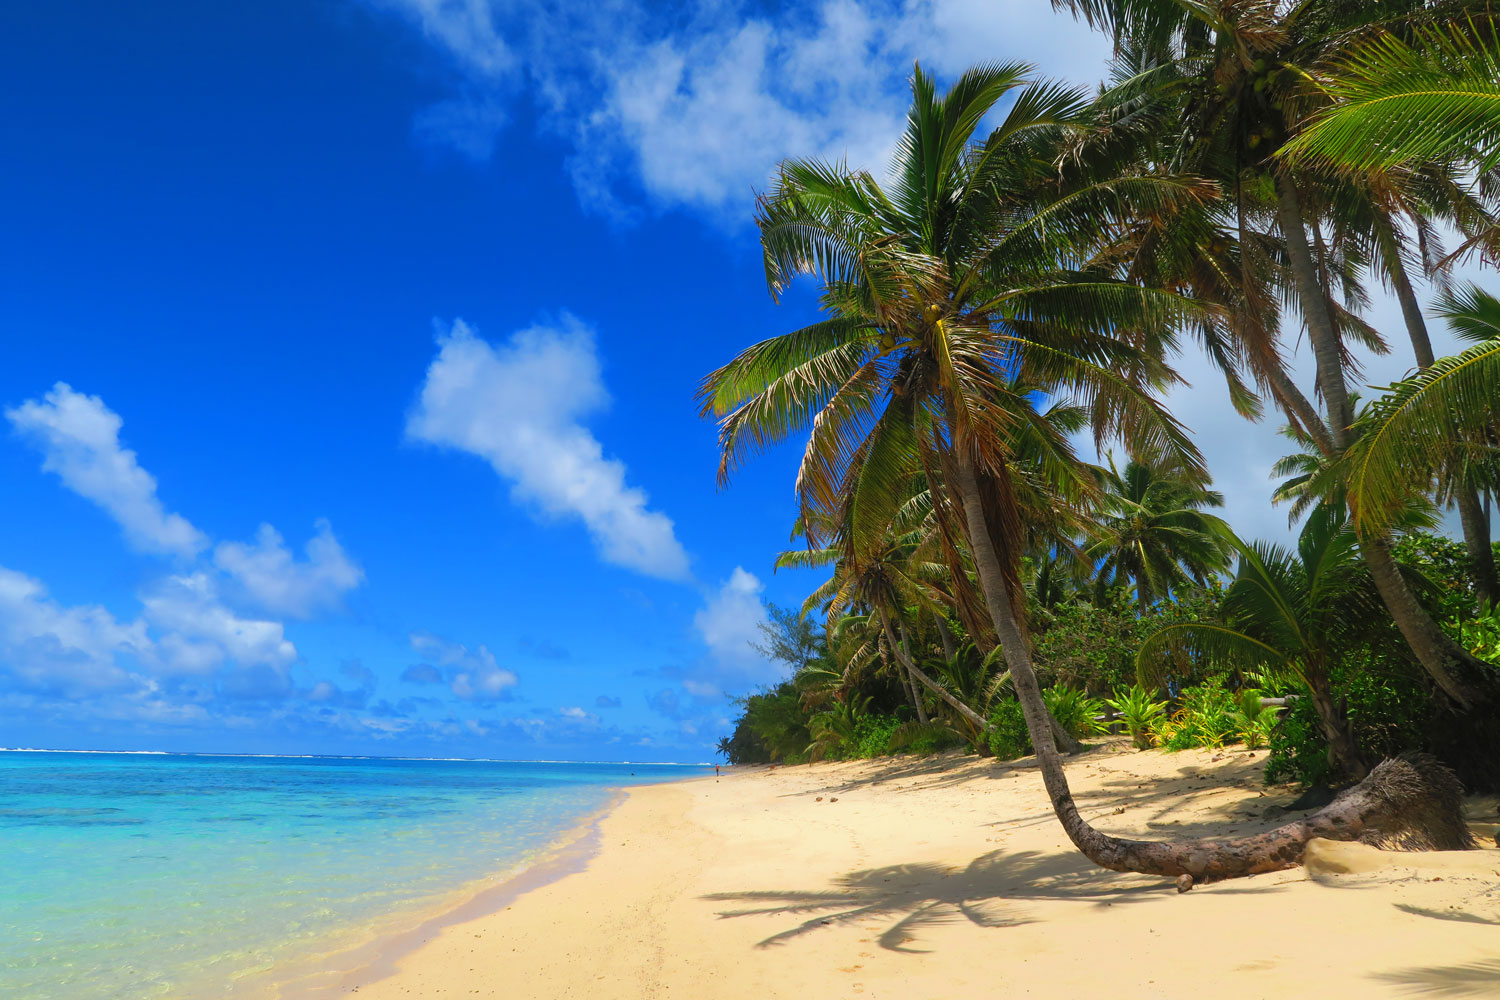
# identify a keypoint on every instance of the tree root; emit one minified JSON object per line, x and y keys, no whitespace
{"x":1409,"y":803}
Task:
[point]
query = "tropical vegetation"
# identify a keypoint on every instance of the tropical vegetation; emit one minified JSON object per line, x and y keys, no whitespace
{"x":1022,"y":285}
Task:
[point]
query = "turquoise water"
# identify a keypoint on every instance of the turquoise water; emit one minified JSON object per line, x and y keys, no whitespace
{"x":128,"y":876}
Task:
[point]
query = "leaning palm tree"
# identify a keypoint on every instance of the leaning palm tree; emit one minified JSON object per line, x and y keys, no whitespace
{"x":974,"y":265}
{"x":1152,"y":531}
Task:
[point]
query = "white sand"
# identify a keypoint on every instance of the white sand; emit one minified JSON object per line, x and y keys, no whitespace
{"x":949,"y":877}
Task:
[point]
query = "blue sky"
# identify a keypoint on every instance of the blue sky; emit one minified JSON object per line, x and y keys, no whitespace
{"x":350,"y":350}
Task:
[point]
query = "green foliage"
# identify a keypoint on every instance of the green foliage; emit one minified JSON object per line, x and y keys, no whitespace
{"x":773,"y":728}
{"x":1480,"y":635}
{"x":1152,"y":532}
{"x":926,"y":738}
{"x":1074,"y":710}
{"x":1007,"y":736}
{"x":1431,"y":95}
{"x":790,"y":637}
{"x":1447,"y":570}
{"x":1094,"y":646}
{"x":1139,"y":710}
{"x":1390,"y":711}
{"x":1255,"y":721}
{"x":872,"y":736}
{"x":1421,"y":431}
{"x":1298,"y":750}
{"x":835,"y":731}
{"x":1207,"y":716}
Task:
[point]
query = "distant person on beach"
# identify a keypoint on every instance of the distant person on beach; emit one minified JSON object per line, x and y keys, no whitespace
{"x":716,"y":770}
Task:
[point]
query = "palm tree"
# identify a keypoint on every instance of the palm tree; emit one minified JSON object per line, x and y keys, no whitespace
{"x":971,"y":267}
{"x":1238,"y":71}
{"x":1153,"y":531}
{"x":1290,"y":611}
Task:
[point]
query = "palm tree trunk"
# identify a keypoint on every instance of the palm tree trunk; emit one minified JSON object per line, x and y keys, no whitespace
{"x":906,"y":651}
{"x":1327,"y":350}
{"x":1343,"y":749}
{"x":1397,"y":795}
{"x":1411,"y":309}
{"x":1477,"y":542}
{"x":1446,"y":661}
{"x":1475,"y":525}
{"x":1298,"y":408}
{"x":932,"y":685}
{"x":945,"y":635}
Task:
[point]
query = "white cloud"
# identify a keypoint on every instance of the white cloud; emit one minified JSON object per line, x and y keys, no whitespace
{"x":729,"y":622}
{"x":200,"y":633}
{"x":518,"y":405}
{"x":80,"y":439}
{"x":186,"y":625}
{"x":574,"y":714}
{"x":475,"y":675}
{"x":695,"y":106}
{"x":71,"y":650}
{"x":270,"y":576}
{"x":465,"y":29}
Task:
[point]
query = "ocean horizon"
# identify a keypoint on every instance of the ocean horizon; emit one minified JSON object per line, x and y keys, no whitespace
{"x":145,"y":874}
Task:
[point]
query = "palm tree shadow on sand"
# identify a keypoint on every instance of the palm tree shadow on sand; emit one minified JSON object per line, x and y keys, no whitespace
{"x":989,"y":892}
{"x":1476,"y":979}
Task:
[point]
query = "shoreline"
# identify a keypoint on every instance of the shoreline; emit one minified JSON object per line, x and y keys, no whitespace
{"x":380,"y":946}
{"x":947,"y":876}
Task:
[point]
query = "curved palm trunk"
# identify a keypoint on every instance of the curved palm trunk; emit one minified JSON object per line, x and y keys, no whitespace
{"x":1298,"y":408}
{"x":1412,"y":802}
{"x":932,"y":685}
{"x":915,"y":695}
{"x":1327,"y":350}
{"x":1475,"y":525}
{"x":1449,"y":665}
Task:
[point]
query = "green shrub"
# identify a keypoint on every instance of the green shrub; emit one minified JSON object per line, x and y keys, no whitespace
{"x":1480,"y":635}
{"x":1008,"y":737}
{"x":934,"y":739}
{"x":1298,"y":750}
{"x":872,"y":735}
{"x":1255,"y":721}
{"x":1206,"y":717}
{"x":1074,"y":710}
{"x":1138,"y":709}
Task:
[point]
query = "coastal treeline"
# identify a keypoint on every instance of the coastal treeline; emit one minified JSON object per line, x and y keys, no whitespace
{"x":1023,"y":281}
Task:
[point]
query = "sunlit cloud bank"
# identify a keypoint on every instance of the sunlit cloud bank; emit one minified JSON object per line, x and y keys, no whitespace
{"x":693,"y":105}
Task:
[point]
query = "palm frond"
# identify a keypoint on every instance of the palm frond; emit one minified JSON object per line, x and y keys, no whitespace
{"x":1418,"y":430}
{"x":1435,"y":96}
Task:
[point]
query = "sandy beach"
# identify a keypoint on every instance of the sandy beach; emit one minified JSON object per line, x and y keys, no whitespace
{"x":949,"y":877}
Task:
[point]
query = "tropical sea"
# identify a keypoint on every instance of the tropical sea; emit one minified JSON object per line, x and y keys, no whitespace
{"x":129,"y":876}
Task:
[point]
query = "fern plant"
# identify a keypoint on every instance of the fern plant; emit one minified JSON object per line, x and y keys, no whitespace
{"x":1206,"y":718}
{"x":1074,"y":710}
{"x":1138,"y":709}
{"x":1255,"y":721}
